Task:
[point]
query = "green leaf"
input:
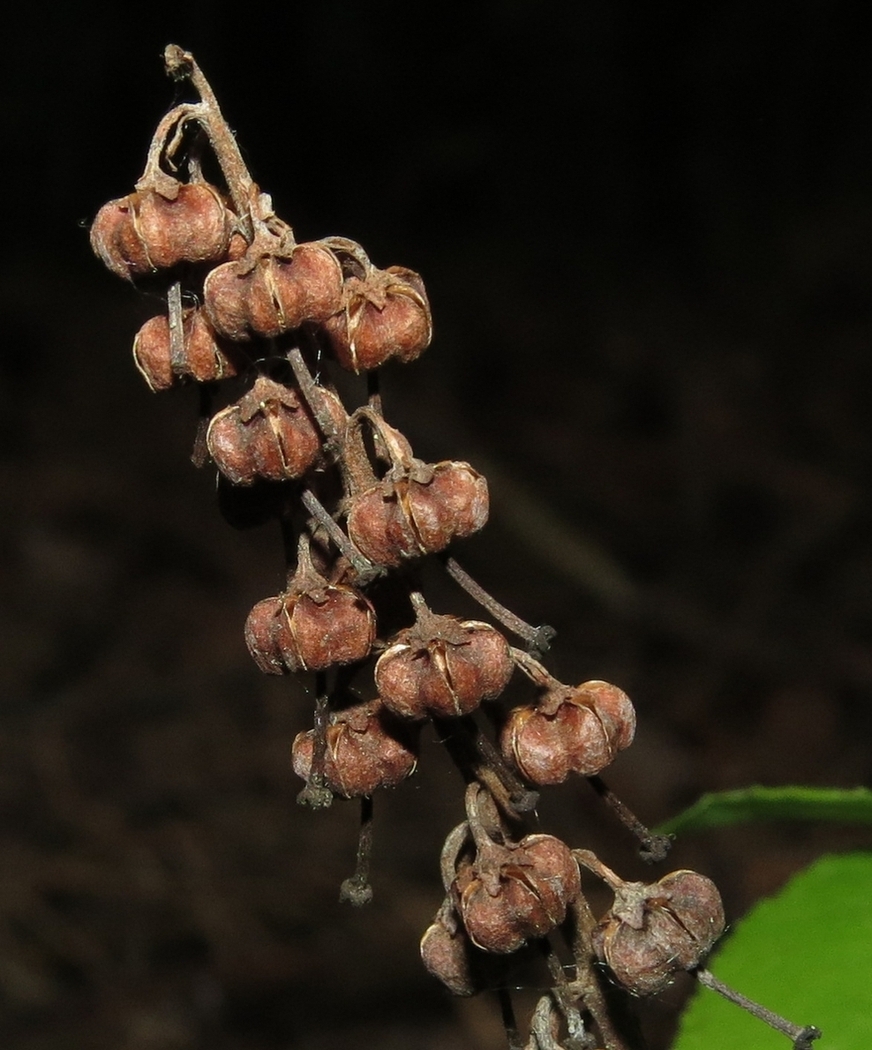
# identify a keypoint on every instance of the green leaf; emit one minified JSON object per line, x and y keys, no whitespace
{"x":805,"y":953}
{"x":747,"y":805}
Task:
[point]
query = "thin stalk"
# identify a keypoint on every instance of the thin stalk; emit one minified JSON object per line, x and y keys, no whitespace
{"x":587,"y":980}
{"x":652,"y":848}
{"x":356,"y":889}
{"x":316,"y":794}
{"x":538,"y":639}
{"x":177,"y":333}
{"x":507,"y":1011}
{"x":802,"y":1036}
{"x":200,"y":452}
{"x":364,"y":568}
{"x":180,"y":65}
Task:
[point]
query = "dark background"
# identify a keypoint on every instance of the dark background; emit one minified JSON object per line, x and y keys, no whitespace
{"x":645,"y":231}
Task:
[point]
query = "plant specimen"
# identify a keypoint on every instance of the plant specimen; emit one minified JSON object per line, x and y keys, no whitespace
{"x":358,"y":511}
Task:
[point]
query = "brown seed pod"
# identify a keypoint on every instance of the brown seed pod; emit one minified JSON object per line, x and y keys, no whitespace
{"x":202,"y":358}
{"x":367,"y":748}
{"x":569,"y":730}
{"x":269,"y":433}
{"x":384,"y":314}
{"x":446,"y":952}
{"x":653,"y":931}
{"x":312,"y":626}
{"x":146,"y":231}
{"x":510,"y":893}
{"x":443,"y":666}
{"x":419,"y":513}
{"x":273,"y":289}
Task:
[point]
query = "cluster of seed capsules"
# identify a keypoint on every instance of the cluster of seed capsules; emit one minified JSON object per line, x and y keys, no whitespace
{"x":246,"y":300}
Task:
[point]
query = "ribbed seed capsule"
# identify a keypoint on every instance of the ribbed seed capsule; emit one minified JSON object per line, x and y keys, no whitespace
{"x":384,"y":314}
{"x":653,"y":931}
{"x":265,"y":293}
{"x":312,"y":626}
{"x":418,"y":514}
{"x":202,"y":358}
{"x":511,"y":893}
{"x":569,"y":730}
{"x":367,"y":748}
{"x":269,"y":433}
{"x":443,"y":666}
{"x":145,"y":231}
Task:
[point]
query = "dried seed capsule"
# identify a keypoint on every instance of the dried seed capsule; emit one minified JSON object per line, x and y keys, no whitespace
{"x":511,"y":893}
{"x":419,"y":513}
{"x":569,"y":731}
{"x":367,"y":748}
{"x":312,"y":626}
{"x":446,"y":952}
{"x":202,"y":358}
{"x":269,"y":434}
{"x":443,"y":666}
{"x":268,"y":292}
{"x":653,"y":931}
{"x":146,"y":231}
{"x":384,"y":314}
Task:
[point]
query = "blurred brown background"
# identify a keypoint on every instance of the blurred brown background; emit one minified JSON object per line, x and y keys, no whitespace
{"x":646,"y":232}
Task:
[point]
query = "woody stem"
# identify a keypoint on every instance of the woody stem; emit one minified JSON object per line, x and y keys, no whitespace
{"x":180,"y":65}
{"x":802,"y":1036}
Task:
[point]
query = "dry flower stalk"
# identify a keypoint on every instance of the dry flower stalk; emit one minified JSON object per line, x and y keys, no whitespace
{"x":356,"y":504}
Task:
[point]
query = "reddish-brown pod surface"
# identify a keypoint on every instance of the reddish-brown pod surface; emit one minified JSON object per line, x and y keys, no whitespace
{"x":331,"y":626}
{"x":446,"y":954}
{"x":379,"y":526}
{"x":418,"y":514}
{"x":146,"y":231}
{"x":266,"y":294}
{"x":201,"y":359}
{"x":366,"y":749}
{"x":384,"y":314}
{"x":569,"y":731}
{"x":653,"y":931}
{"x":514,"y":892}
{"x":452,"y":505}
{"x":444,"y":667}
{"x":269,"y":433}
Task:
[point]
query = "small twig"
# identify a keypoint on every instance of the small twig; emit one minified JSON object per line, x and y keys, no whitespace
{"x":521,"y":798}
{"x":200,"y":451}
{"x":587,"y":981}
{"x":538,"y":674}
{"x":180,"y":65}
{"x":357,"y":890}
{"x":177,"y":332}
{"x":463,"y":742}
{"x":653,"y":848}
{"x":538,"y":639}
{"x":510,"y":1024}
{"x":316,"y":794}
{"x":311,"y":392}
{"x":565,"y":995}
{"x":802,"y":1036}
{"x":373,"y":391}
{"x":364,"y":568}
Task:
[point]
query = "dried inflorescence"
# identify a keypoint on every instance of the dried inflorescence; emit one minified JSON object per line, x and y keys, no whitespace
{"x":246,"y":302}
